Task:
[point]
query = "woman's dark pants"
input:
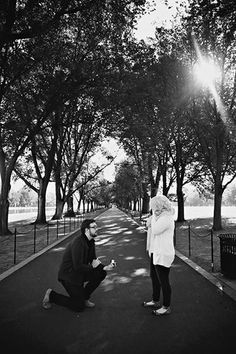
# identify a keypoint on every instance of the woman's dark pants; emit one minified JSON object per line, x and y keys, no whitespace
{"x":160,"y":281}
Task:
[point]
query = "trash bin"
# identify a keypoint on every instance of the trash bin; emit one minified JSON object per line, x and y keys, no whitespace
{"x":228,"y":255}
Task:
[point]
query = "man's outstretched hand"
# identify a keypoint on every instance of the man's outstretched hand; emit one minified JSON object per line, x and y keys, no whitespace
{"x":95,"y":263}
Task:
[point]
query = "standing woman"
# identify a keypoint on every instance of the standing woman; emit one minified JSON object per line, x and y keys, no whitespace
{"x":160,"y":246}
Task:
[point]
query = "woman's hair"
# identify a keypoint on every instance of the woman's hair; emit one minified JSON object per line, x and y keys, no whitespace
{"x":161,"y":202}
{"x":85,"y":225}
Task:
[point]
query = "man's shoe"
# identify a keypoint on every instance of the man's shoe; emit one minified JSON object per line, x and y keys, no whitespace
{"x":46,"y":303}
{"x":151,"y":303}
{"x":162,"y":311}
{"x":89,"y":304}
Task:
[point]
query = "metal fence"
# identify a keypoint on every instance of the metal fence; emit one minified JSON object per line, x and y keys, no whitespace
{"x":30,"y":238}
{"x":31,"y":241}
{"x":201,"y":247}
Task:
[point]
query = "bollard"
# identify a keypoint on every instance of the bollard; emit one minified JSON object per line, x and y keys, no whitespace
{"x":14,"y":247}
{"x":64,"y":226}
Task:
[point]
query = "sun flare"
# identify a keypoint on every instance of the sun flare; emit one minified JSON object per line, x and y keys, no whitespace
{"x":206,"y":72}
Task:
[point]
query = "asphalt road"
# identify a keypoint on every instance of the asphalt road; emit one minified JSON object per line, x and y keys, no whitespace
{"x":202,"y":319}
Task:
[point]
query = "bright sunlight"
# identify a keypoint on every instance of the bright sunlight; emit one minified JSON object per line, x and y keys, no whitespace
{"x":206,"y":72}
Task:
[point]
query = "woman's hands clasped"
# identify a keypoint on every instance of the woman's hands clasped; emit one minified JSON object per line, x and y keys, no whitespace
{"x":111,"y":265}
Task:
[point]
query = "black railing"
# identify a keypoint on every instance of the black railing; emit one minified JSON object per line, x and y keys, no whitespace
{"x":191,"y":232}
{"x":36,"y":235}
{"x":29,"y":238}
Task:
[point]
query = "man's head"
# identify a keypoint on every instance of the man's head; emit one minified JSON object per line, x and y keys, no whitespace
{"x":89,"y":228}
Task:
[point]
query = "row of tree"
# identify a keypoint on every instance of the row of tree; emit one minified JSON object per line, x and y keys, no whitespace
{"x":126,"y":191}
{"x":97,"y":193}
{"x":72,"y":73}
{"x":174,"y":130}
{"x":59,"y":62}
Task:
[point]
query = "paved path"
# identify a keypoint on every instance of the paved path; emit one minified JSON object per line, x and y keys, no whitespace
{"x":202,"y":321}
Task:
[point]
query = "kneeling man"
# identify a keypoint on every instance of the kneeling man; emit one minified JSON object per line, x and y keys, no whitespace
{"x":80,"y":271}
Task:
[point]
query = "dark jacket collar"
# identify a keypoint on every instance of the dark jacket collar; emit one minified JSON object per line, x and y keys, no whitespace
{"x":89,"y":243}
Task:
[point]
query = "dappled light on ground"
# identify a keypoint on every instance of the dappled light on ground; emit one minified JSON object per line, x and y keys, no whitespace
{"x":112,"y":225}
{"x":140,"y":272}
{"x":120,"y":241}
{"x":103,"y":241}
{"x":112,"y":281}
{"x":127,"y":240}
{"x":128,"y":232}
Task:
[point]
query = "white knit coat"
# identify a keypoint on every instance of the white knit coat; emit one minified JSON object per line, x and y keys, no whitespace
{"x":160,"y":240}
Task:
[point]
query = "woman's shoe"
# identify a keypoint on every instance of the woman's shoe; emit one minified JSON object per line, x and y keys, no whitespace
{"x":151,"y":303}
{"x":89,"y":304}
{"x":162,"y":311}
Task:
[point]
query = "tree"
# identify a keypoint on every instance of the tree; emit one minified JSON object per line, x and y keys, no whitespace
{"x":100,"y":192}
{"x":214,"y":106}
{"x":72,"y":166}
{"x":126,"y":185}
{"x":27,"y":28}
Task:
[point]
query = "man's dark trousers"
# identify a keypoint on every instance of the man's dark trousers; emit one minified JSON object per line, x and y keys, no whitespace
{"x":78,"y":293}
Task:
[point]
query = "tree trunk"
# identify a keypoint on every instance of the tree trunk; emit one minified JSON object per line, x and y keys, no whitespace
{"x":166,"y":186}
{"x":60,"y":198}
{"x":84,"y":211}
{"x":43,"y":183}
{"x":154,"y":182}
{"x":180,"y":172}
{"x":4,"y":209}
{"x":79,"y":206}
{"x":60,"y":202}
{"x":88,"y":205}
{"x":5,"y":177}
{"x":70,"y":207}
{"x":218,"y":192}
{"x":217,"y":224}
{"x":126,"y":204}
{"x":41,"y":217}
{"x":59,"y":210}
{"x":180,"y":198}
{"x":81,"y":195}
{"x":146,"y":200}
